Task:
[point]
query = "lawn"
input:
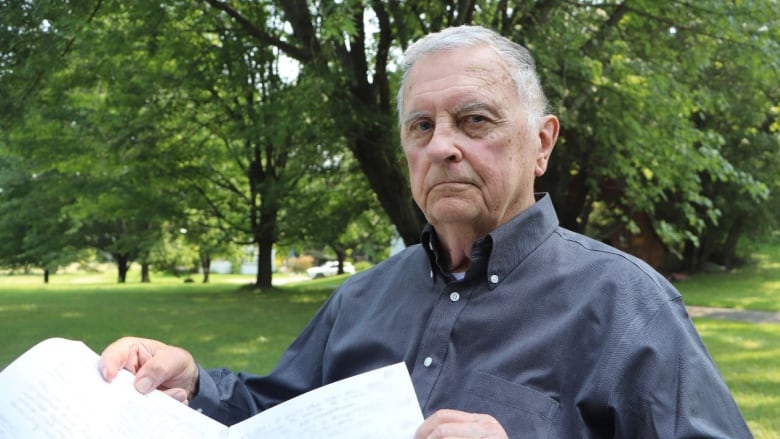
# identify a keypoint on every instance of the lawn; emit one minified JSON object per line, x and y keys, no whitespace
{"x":223,"y":324}
{"x":748,"y":356}
{"x":754,"y":286}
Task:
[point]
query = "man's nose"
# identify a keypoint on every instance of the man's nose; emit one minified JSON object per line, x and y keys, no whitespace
{"x":444,"y":145}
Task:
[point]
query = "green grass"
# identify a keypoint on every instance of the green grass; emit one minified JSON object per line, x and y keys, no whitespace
{"x":755,"y":286}
{"x":223,"y":324}
{"x":748,"y":356}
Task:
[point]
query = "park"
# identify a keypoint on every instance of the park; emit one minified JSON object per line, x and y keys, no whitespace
{"x":226,"y":324}
{"x":145,"y":146}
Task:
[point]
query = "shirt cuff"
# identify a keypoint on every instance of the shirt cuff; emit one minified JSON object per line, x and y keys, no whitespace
{"x":207,"y":398}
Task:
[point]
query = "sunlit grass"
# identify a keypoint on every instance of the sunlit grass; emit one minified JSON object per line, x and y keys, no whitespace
{"x":227,"y":324}
{"x":222,"y":324}
{"x":755,"y":286}
{"x":748,"y":356}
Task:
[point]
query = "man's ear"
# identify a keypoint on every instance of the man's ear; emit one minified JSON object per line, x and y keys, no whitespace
{"x":548,"y":134}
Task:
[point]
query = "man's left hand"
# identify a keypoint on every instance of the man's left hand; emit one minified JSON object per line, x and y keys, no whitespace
{"x":457,"y":424}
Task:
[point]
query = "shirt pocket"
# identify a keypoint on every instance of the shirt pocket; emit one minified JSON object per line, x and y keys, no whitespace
{"x":521,"y":410}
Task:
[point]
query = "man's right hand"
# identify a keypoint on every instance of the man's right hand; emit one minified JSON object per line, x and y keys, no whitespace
{"x":156,"y":365}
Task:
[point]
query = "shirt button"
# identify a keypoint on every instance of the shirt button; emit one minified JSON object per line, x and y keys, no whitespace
{"x":428,"y":361}
{"x":454,"y":297}
{"x":493,"y":278}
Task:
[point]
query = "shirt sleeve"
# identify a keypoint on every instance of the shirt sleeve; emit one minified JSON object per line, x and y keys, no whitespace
{"x":669,"y":386}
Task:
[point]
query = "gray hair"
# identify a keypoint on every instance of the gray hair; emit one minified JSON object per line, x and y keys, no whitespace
{"x":519,"y":61}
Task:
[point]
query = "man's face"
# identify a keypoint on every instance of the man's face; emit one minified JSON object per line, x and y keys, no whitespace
{"x":472,"y":156}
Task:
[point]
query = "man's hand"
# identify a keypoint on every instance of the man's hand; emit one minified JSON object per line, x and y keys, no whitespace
{"x":155,"y":365}
{"x":456,"y":424}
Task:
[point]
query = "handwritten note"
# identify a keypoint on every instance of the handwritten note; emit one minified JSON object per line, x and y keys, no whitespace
{"x":376,"y":404}
{"x":55,"y":391}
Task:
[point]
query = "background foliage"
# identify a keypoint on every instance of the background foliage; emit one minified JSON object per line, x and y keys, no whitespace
{"x":126,"y":124}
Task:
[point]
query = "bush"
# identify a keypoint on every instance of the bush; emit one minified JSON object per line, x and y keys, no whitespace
{"x":362,"y":265}
{"x":300,"y":264}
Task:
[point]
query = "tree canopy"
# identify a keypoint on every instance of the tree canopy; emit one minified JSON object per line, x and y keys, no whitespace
{"x":123,"y":122}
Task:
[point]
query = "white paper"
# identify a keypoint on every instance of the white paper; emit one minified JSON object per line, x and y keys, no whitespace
{"x":54,"y":391}
{"x":380,"y":404}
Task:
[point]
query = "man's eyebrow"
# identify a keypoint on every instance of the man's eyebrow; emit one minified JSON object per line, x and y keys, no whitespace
{"x":463,"y":108}
{"x":476,"y":106}
{"x":411,"y":117}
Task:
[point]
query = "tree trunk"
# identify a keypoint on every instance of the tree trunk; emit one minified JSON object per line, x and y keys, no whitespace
{"x":574,"y":203}
{"x":45,"y":276}
{"x":340,"y":257}
{"x":706,"y":250}
{"x":264,"y":264}
{"x":569,"y":192}
{"x":205,"y":265}
{"x":569,"y":195}
{"x":265,"y":237}
{"x":122,"y":266}
{"x":378,"y":159}
{"x":690,"y":258}
{"x":730,"y":246}
{"x":145,"y":277}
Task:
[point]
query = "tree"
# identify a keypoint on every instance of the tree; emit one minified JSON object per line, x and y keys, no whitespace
{"x":243,"y":136}
{"x":89,"y":119}
{"x":329,"y":40}
{"x":657,"y":100}
{"x":31,"y":223}
{"x":625,"y":78}
{"x":633,"y":83}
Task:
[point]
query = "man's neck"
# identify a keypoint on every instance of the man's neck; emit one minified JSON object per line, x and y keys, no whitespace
{"x":456,"y":243}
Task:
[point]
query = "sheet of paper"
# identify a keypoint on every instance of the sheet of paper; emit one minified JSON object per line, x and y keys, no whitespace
{"x":54,"y":391}
{"x":380,"y":404}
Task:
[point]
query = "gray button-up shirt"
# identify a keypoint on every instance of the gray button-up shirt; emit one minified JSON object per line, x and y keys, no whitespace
{"x":554,"y":334}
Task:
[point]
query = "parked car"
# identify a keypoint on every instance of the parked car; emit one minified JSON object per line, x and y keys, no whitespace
{"x":330,"y":268}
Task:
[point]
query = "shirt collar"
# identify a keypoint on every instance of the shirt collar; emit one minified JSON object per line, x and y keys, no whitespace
{"x":497,"y":254}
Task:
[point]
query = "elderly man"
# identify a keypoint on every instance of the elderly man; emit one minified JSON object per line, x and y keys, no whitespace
{"x":509,"y":325}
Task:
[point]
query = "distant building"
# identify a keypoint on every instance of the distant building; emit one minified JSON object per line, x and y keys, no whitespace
{"x":221,"y":266}
{"x":247,"y":265}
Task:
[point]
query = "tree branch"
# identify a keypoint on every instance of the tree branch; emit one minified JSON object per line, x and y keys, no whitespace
{"x":258,"y":33}
{"x":381,"y":83}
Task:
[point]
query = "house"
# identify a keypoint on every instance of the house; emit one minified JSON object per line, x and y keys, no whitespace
{"x":645,"y":245}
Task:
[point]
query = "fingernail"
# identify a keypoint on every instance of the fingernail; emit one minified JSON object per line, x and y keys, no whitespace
{"x":144,"y":385}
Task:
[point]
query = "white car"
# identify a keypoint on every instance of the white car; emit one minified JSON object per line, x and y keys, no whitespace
{"x":330,"y":268}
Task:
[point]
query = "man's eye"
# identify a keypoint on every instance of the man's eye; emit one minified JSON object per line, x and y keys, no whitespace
{"x":475,"y":119}
{"x":422,"y":125}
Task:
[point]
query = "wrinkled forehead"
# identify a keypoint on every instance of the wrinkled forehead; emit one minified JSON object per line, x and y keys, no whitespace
{"x":475,"y":71}
{"x":478,"y":58}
